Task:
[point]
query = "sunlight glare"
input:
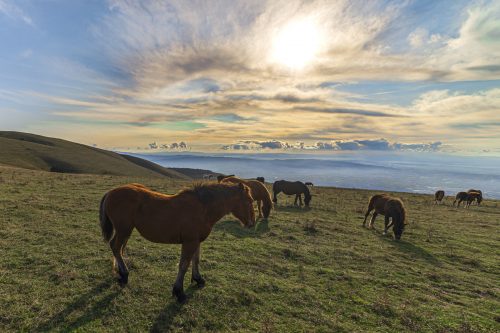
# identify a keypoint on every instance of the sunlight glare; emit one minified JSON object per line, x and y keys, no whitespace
{"x":297,"y":44}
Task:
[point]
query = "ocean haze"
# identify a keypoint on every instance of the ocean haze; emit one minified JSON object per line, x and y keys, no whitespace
{"x":386,"y":171}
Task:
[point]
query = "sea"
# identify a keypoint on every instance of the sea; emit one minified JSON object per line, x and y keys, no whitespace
{"x":416,"y":172}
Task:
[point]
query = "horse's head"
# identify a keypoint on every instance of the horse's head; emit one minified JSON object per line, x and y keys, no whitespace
{"x":243,"y":207}
{"x":398,"y":229}
{"x":307,"y":199}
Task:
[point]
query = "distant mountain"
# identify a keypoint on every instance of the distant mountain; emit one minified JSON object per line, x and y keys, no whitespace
{"x":30,"y":151}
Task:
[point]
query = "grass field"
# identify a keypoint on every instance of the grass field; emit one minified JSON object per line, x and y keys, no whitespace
{"x":305,"y":270}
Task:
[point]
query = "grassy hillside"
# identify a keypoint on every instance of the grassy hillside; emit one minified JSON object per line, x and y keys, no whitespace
{"x":37,"y":152}
{"x":304,"y":270}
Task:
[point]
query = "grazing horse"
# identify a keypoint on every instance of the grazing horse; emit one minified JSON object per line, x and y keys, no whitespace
{"x":438,"y":197}
{"x":461,"y":196}
{"x":478,"y":198}
{"x":221,"y":177}
{"x":290,"y":188}
{"x":473,"y":196}
{"x":185,"y":218}
{"x":390,"y":207}
{"x":259,"y":193}
{"x":261,"y":179}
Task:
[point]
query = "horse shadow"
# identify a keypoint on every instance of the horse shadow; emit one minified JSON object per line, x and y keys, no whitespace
{"x":165,"y":318}
{"x":292,"y":209}
{"x":95,"y":304}
{"x":234,"y":228}
{"x":411,"y":249}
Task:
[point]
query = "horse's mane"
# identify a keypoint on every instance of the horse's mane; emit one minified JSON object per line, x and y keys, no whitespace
{"x":209,"y":192}
{"x":307,"y":193}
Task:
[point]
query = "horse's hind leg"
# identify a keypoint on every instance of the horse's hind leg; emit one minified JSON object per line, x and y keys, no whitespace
{"x":368,"y":211}
{"x":196,"y":276}
{"x":259,"y":207}
{"x":117,"y":245}
{"x":188,"y":249}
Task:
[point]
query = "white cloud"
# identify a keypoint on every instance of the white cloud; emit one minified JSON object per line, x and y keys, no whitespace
{"x":14,"y":12}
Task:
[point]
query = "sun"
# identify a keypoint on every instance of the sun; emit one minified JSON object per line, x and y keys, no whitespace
{"x":297,"y":44}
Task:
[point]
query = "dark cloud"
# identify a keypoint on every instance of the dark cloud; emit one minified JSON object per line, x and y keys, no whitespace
{"x":346,"y":111}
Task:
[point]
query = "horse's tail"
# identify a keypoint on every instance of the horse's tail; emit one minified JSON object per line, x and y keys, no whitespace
{"x":105,"y":222}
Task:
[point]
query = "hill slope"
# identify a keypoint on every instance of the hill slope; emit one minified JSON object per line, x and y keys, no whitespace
{"x":37,"y":152}
{"x":304,"y":270}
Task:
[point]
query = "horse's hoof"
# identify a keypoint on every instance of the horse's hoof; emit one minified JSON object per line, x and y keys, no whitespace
{"x":123,"y":279}
{"x":179,"y":294}
{"x":200,"y":282}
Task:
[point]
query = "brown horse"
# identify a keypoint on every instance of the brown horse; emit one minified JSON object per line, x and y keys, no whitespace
{"x":389,"y":207}
{"x":438,"y":197}
{"x":479,"y":197}
{"x":461,"y":196}
{"x":290,"y":188}
{"x":259,"y":193}
{"x":185,"y":218}
{"x":473,"y":196}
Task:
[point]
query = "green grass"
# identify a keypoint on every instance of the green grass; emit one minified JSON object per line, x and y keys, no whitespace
{"x":38,"y":152}
{"x":304,"y":270}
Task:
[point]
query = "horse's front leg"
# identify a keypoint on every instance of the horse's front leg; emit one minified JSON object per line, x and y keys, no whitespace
{"x":372,"y":221}
{"x":195,"y":275}
{"x":387,"y":224}
{"x":300,"y":199}
{"x":188,"y":249}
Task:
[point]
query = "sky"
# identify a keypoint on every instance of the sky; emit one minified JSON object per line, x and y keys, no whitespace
{"x":254,"y":75}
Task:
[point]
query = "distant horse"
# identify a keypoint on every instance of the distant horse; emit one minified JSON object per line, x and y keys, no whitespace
{"x":290,"y":188}
{"x":309,"y":184}
{"x":461,"y":196}
{"x":473,"y":196}
{"x":185,"y":218}
{"x":259,"y":193}
{"x":478,"y":198}
{"x":390,"y":207}
{"x":261,"y":179}
{"x":221,"y":177}
{"x":438,"y":197}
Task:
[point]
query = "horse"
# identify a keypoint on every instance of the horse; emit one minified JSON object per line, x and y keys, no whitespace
{"x":221,"y":177}
{"x":309,"y":184}
{"x":478,"y":198}
{"x":390,"y":207}
{"x":261,"y":179}
{"x":438,"y":196}
{"x":461,"y":196}
{"x":259,"y":193}
{"x":290,"y":188}
{"x":473,"y":196}
{"x":184,"y":218}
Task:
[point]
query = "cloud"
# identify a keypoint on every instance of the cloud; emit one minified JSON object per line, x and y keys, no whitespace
{"x":372,"y":144}
{"x":14,"y":12}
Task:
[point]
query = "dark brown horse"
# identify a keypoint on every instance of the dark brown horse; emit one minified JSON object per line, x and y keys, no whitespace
{"x":438,"y":197}
{"x":461,"y":196}
{"x":479,"y":197}
{"x":473,"y":196}
{"x":390,"y":207}
{"x":290,"y":188}
{"x":259,"y":193}
{"x":221,"y":177}
{"x":185,"y":218}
